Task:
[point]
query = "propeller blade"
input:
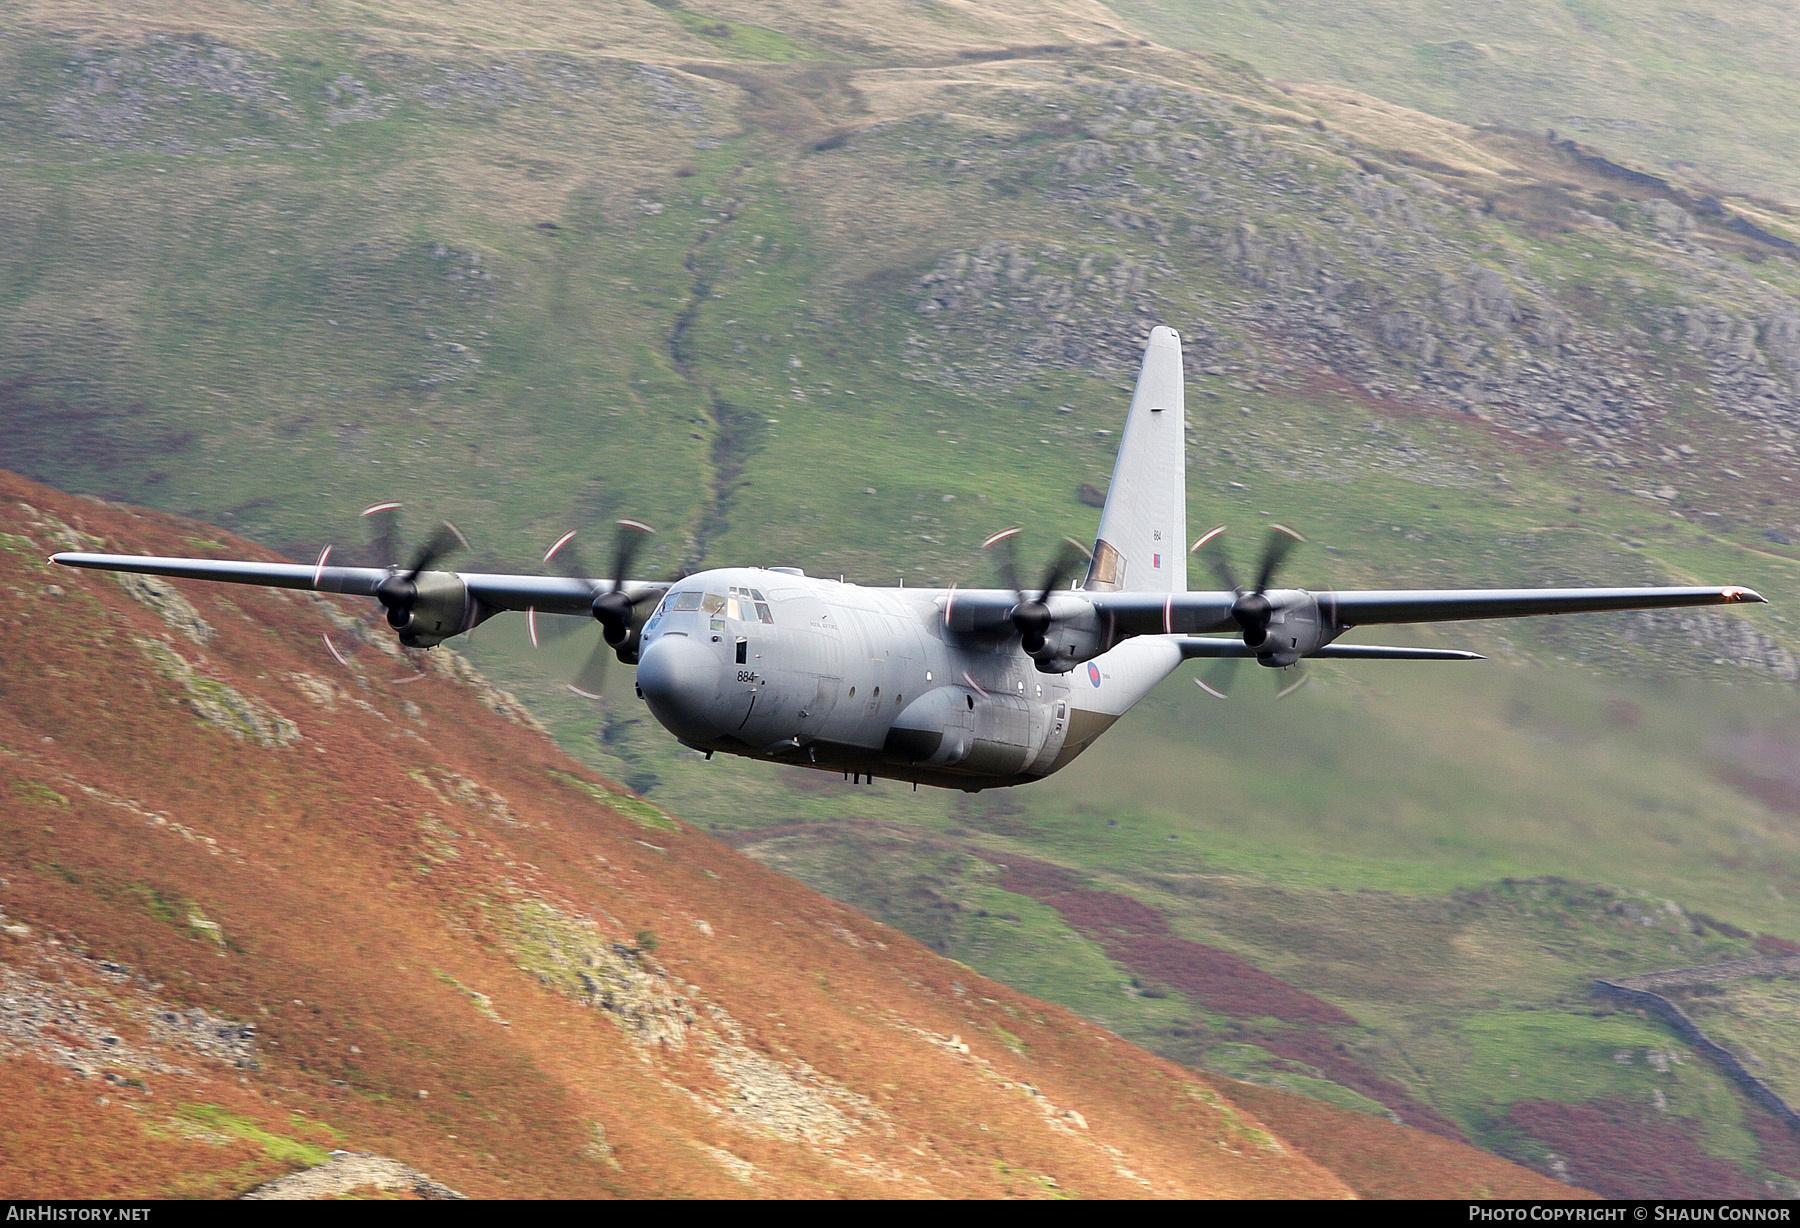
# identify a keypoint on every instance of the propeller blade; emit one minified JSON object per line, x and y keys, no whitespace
{"x":631,"y":539}
{"x":1007,"y":560}
{"x":1217,"y":680}
{"x":1212,"y":551}
{"x":1281,"y":540}
{"x":567,"y":539}
{"x":590,"y":683}
{"x":1286,"y":688}
{"x":384,"y":532}
{"x":553,"y":628}
{"x":447,"y":539}
{"x":1070,"y":555}
{"x":333,"y":650}
{"x":319,"y":567}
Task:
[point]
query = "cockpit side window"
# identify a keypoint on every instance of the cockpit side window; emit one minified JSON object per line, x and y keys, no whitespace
{"x":748,"y":605}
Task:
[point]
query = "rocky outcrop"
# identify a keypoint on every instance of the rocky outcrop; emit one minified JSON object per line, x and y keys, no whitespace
{"x":1282,"y":263}
{"x":345,"y":1173}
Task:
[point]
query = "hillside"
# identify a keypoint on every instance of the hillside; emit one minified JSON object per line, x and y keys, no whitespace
{"x":851,"y":287}
{"x":260,"y":908}
{"x":1707,"y":94}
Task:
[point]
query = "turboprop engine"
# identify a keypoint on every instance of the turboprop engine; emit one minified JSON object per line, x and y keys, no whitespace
{"x":1057,"y":631}
{"x":427,"y":608}
{"x":1073,"y":634}
{"x":1283,"y":626}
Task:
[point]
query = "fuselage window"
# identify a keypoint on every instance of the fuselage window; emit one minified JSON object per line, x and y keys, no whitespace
{"x":684,"y":602}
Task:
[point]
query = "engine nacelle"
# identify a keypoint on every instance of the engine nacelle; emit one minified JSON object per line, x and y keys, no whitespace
{"x":1076,"y":635}
{"x":627,"y":647}
{"x":442,"y":609}
{"x":1297,"y":628}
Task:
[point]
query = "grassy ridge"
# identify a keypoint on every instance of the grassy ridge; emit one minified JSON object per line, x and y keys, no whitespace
{"x":1707,"y":94}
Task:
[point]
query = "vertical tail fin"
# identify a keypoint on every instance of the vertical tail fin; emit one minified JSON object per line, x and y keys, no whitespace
{"x":1142,"y":545}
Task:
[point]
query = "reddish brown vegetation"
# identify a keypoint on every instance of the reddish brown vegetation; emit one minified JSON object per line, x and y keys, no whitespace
{"x":1780,"y":1145}
{"x":1319,"y":1049}
{"x":1137,"y":937}
{"x":1624,"y":1150}
{"x":1363,"y":1150}
{"x":1782,"y":795}
{"x":364,"y":908}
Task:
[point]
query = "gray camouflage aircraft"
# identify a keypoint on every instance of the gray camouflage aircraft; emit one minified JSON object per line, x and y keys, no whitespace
{"x":972,"y":688}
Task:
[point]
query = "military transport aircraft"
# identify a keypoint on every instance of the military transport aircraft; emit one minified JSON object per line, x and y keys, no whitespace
{"x":969,"y":689}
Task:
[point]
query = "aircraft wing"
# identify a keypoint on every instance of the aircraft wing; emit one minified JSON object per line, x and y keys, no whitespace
{"x":1194,"y":613}
{"x":547,"y":594}
{"x":1446,"y":605}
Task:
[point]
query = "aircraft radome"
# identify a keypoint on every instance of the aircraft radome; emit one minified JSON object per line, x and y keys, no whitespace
{"x":970,"y":689}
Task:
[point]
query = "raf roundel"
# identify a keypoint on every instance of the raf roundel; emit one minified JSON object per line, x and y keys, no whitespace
{"x":1093,"y":673}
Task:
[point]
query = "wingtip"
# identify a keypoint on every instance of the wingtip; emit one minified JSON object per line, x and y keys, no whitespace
{"x":1737,"y":593}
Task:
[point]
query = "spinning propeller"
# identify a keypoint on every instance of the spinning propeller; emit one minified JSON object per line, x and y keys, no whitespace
{"x":1031,"y":616}
{"x":613,"y":608}
{"x":1251,"y":610}
{"x":400,"y":589}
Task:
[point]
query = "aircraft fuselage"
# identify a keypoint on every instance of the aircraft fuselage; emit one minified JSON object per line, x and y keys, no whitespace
{"x":777,"y":665}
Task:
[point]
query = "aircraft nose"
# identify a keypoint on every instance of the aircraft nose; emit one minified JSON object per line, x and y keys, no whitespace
{"x":680,"y":680}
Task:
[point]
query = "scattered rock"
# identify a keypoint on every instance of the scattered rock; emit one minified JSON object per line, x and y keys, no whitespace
{"x":347,"y":1172}
{"x":219,"y":704}
{"x":167,"y":603}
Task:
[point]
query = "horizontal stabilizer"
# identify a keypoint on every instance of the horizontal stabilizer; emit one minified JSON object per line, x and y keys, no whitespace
{"x":1208,"y":646}
{"x":1383,"y":652}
